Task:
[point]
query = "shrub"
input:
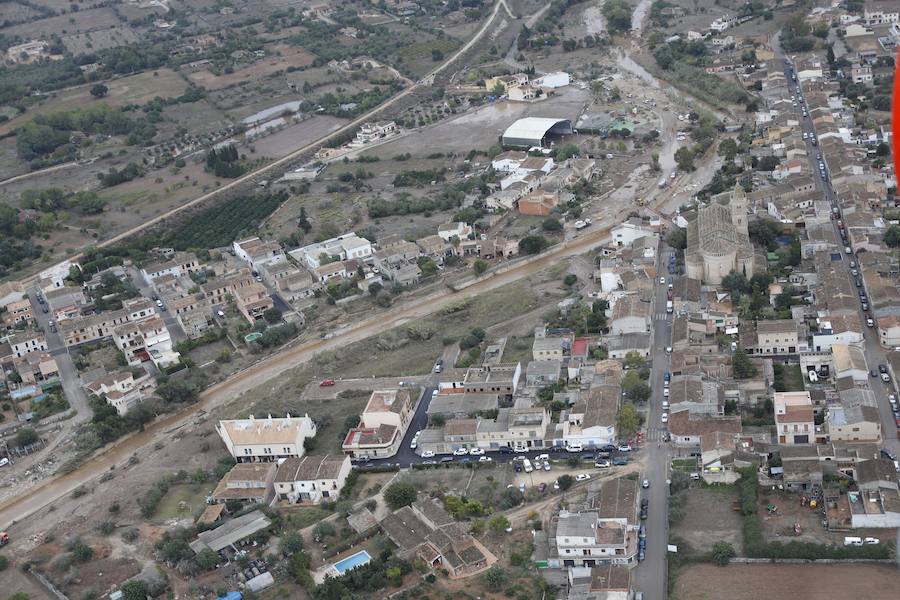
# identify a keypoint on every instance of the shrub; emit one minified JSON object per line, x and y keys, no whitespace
{"x":82,"y":552}
{"x":722,"y":553}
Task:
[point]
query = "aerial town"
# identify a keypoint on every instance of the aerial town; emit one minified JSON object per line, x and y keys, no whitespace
{"x":456,"y":299}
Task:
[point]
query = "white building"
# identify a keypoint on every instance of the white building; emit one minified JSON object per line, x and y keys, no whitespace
{"x":145,"y":339}
{"x":371,"y":132}
{"x":554,"y":80}
{"x":257,"y":253}
{"x":591,"y":421}
{"x":584,"y":539}
{"x":723,"y":23}
{"x":266,"y":440}
{"x":458,"y":230}
{"x":121,"y":390}
{"x":345,"y":247}
{"x":794,"y":420}
{"x":626,"y":233}
{"x":877,"y":15}
{"x":26,"y":342}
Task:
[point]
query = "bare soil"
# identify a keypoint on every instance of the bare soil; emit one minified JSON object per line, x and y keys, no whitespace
{"x":786,"y":582}
{"x":708,"y":519}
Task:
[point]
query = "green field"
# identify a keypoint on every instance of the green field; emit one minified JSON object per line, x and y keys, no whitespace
{"x":301,"y":518}
{"x":193,"y":495}
{"x":688,"y":465}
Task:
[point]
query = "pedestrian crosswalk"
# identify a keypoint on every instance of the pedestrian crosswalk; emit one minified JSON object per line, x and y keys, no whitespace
{"x":661,"y":317}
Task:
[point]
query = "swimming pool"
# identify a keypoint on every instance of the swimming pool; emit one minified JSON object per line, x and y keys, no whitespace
{"x":351,"y":562}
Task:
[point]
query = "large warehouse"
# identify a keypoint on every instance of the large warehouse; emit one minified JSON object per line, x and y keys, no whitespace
{"x":534,"y":131}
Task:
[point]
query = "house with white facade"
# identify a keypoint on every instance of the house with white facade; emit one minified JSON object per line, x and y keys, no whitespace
{"x":344,"y":247}
{"x":266,"y":440}
{"x":258,"y":253}
{"x":591,"y":421}
{"x":585,"y":540}
{"x":794,"y":419}
{"x":458,"y":230}
{"x":121,"y":390}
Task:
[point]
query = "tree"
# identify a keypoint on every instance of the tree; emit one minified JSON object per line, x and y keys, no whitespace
{"x":4,"y":562}
{"x":533,"y":244}
{"x":551,"y":224}
{"x":498,"y":524}
{"x":26,"y":437}
{"x":495,"y":578}
{"x":290,"y":543}
{"x":633,"y":360}
{"x":741,"y":365}
{"x":207,"y":559}
{"x":135,"y":590}
{"x":565,"y":482}
{"x":400,"y":494}
{"x":272,"y":315}
{"x":627,"y":421}
{"x":176,"y":392}
{"x":728,"y":149}
{"x":736,"y":283}
{"x":570,"y":279}
{"x":891,"y":237}
{"x":684,"y":157}
{"x":677,"y":238}
{"x":394,"y":576}
{"x":479,"y":266}
{"x":436,"y":55}
{"x":99,"y":90}
{"x":722,"y":553}
{"x":635,"y":388}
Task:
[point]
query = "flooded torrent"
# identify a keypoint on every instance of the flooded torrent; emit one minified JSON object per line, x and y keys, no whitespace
{"x":638,"y":16}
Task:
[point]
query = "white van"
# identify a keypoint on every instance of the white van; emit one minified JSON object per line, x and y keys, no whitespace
{"x":853,"y":541}
{"x":669,"y":306}
{"x":813,"y":377}
{"x":526,"y":464}
{"x":574,"y":447}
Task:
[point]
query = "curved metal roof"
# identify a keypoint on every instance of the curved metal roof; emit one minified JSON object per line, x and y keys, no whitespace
{"x":533,"y":127}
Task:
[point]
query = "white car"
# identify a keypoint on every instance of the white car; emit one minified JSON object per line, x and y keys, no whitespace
{"x":542,"y":457}
{"x":892,"y":398}
{"x":428,"y":454}
{"x":645,"y":483}
{"x":668,"y":349}
{"x":665,"y":392}
{"x":4,"y":461}
{"x":582,"y":477}
{"x":414,"y":443}
{"x":662,"y":281}
{"x":476,"y":452}
{"x":665,"y":418}
{"x":460,"y":452}
{"x":484,"y":459}
{"x":546,"y":465}
{"x":624,"y":448}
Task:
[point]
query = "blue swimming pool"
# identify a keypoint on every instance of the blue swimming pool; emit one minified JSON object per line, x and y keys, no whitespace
{"x":351,"y":562}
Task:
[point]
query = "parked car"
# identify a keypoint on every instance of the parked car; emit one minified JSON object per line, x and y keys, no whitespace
{"x":476,"y":452}
{"x":602,"y":463}
{"x":428,"y":454}
{"x":873,"y":373}
{"x":645,"y":483}
{"x":582,"y":477}
{"x":326,"y":383}
{"x":484,"y":459}
{"x":885,"y":377}
{"x":620,"y":461}
{"x":624,"y":448}
{"x":460,"y":452}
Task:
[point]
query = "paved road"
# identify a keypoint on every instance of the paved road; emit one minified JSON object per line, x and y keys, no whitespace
{"x":68,"y":375}
{"x":875,"y":353}
{"x":651,"y":575}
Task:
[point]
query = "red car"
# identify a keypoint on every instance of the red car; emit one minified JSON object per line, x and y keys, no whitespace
{"x":326,"y":383}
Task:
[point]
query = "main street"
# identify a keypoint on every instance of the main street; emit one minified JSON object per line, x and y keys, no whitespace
{"x":874,"y":352}
{"x":651,"y":575}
